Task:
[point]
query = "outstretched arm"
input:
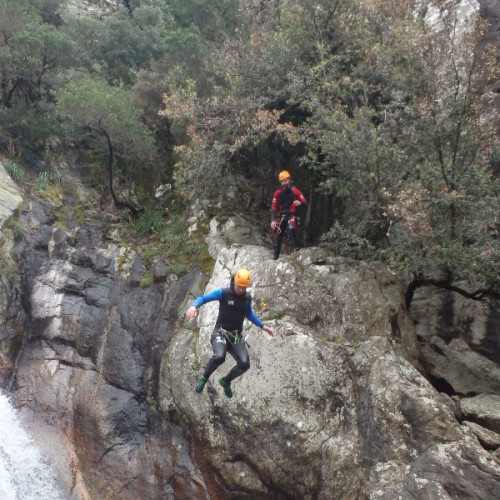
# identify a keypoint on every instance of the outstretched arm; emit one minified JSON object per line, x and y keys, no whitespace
{"x":251,"y":316}
{"x":203,"y":299}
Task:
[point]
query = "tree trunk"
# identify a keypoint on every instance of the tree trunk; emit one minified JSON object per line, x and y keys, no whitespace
{"x":117,"y":202}
{"x":419,"y":281}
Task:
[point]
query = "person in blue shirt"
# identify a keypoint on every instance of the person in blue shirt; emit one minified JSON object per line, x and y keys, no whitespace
{"x":235,"y":306}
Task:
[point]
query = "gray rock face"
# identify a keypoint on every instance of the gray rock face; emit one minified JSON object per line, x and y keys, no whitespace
{"x":460,"y":341}
{"x":10,"y":198}
{"x":10,"y":201}
{"x":483,"y":409}
{"x":87,"y":342}
{"x":333,"y":406}
{"x":489,"y":439}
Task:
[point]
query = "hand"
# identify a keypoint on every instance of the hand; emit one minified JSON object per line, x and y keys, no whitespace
{"x":191,"y":312}
{"x":296,"y":203}
{"x":273,"y":225}
{"x":268,"y":330}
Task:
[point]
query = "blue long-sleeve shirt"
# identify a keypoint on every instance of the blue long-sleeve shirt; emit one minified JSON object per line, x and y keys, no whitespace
{"x":217,"y":295}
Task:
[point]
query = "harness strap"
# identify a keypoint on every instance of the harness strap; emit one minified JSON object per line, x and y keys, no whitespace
{"x":282,"y":217}
{"x":231,"y":337}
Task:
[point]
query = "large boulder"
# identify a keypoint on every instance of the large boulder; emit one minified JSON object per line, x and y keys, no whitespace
{"x":333,"y":406}
{"x":460,"y":345}
{"x":483,"y":409}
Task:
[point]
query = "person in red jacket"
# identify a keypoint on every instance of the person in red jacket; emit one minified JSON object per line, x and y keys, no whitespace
{"x":285,"y":201}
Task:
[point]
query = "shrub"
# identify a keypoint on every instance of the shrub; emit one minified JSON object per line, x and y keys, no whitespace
{"x":15,"y":226}
{"x":147,"y":279}
{"x":15,"y":172}
{"x":150,"y":222}
{"x":345,"y":243}
{"x":45,"y":180}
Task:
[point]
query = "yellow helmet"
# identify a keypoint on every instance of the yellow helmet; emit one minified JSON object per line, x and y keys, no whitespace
{"x":242,"y":278}
{"x":284,"y":174}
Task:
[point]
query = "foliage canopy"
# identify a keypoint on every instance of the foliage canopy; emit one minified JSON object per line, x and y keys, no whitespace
{"x":384,"y":111}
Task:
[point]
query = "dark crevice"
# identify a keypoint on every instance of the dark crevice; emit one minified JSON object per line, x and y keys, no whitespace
{"x":441,"y":385}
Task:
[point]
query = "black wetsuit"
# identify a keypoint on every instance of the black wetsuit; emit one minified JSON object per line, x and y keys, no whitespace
{"x":226,"y":336}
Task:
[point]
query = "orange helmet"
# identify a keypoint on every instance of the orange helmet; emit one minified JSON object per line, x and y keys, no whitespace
{"x":242,"y":278}
{"x":284,"y":174}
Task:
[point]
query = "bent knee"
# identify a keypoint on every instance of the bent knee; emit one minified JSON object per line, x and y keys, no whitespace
{"x":219,"y":358}
{"x":244,"y":364}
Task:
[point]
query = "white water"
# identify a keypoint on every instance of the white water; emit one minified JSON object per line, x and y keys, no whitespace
{"x":23,"y":473}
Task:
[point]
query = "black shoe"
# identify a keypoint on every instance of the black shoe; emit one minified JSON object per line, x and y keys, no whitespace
{"x":201,"y":383}
{"x":227,"y":387}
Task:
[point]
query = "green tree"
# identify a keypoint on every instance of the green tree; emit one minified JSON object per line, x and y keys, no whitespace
{"x":354,"y":101}
{"x":107,"y":113}
{"x":420,"y":152}
{"x":451,"y":140}
{"x":32,"y":51}
{"x":36,"y":51}
{"x":216,"y":20}
{"x":394,"y":119}
{"x":237,"y":109}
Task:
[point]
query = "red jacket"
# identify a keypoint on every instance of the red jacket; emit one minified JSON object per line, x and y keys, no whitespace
{"x":283,"y":201}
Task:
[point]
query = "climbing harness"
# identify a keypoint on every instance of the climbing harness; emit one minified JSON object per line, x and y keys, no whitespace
{"x":286,"y":215}
{"x":277,"y":227}
{"x":233,"y":337}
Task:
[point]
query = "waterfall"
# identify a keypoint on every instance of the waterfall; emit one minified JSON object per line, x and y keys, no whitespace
{"x":23,"y":473}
